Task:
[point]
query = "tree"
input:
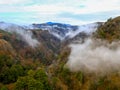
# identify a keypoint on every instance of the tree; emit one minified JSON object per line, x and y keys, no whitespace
{"x":42,"y":77}
{"x":9,"y":75}
{"x":3,"y":88}
{"x":28,"y":83}
{"x":35,"y":80}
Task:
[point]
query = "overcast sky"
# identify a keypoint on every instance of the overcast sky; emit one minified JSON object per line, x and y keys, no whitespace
{"x":63,"y":11}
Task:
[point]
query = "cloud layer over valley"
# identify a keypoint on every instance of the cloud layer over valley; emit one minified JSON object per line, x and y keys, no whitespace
{"x":94,"y":56}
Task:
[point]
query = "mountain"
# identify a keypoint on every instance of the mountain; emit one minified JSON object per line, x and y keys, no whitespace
{"x":44,"y":41}
{"x":6,"y":48}
{"x":10,"y":27}
{"x":110,"y":30}
{"x":51,"y":36}
{"x":35,"y":44}
{"x":21,"y":32}
{"x":59,"y":30}
{"x":63,"y":31}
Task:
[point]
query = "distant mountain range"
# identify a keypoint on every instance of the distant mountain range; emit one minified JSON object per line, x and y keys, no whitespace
{"x":63,"y":31}
{"x":59,"y":30}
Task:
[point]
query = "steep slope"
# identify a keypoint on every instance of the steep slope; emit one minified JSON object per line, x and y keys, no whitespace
{"x":48,"y":40}
{"x":43,"y":52}
{"x":6,"y":48}
{"x":110,"y":30}
{"x":20,"y":31}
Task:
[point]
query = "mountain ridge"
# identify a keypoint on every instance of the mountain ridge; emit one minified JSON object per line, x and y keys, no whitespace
{"x":59,"y":30}
{"x":63,"y":31}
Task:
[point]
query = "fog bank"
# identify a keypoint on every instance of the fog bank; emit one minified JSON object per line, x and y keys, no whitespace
{"x":94,"y":56}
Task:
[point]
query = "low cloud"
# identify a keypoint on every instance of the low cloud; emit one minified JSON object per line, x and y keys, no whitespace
{"x":25,"y":35}
{"x":94,"y":56}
